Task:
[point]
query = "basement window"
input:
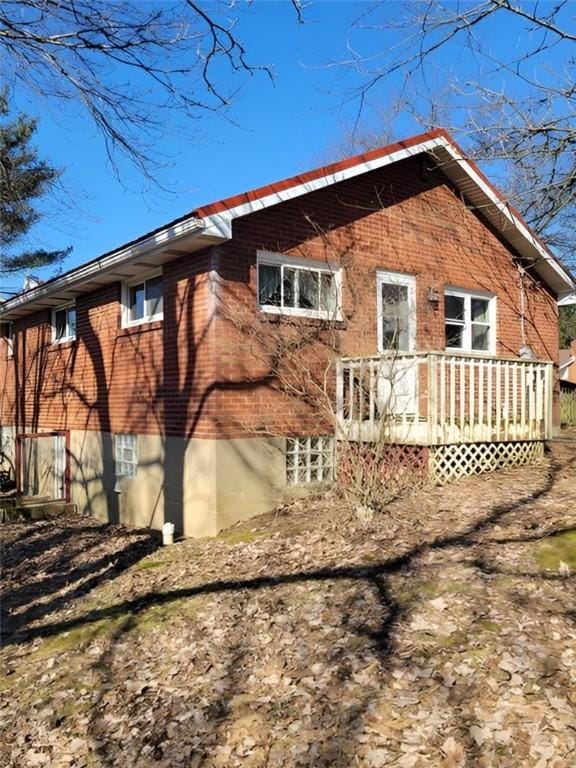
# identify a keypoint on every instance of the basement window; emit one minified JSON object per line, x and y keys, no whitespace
{"x":470,"y":321}
{"x":143,"y":301}
{"x":64,"y":324}
{"x":125,"y":455}
{"x":288,"y":286}
{"x":309,"y":460}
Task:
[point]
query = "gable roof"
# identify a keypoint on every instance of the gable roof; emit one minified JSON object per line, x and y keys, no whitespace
{"x":211,"y":224}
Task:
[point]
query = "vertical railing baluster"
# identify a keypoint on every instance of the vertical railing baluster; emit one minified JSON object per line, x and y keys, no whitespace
{"x":442,"y":363}
{"x":523,"y":400}
{"x":498,"y":398}
{"x":432,"y":400}
{"x":489,"y":385}
{"x":372,"y":396}
{"x":481,"y":432}
{"x":515,"y":400}
{"x":351,"y":391}
{"x":452,"y":397}
{"x":339,"y":396}
{"x":506,"y":405}
{"x":539,"y":402}
{"x":549,"y":401}
{"x":471,"y":400}
{"x":531,"y":403}
{"x":462,"y":399}
{"x":360,"y":380}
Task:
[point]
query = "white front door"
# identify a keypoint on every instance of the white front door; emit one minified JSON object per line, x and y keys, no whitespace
{"x":396,"y":309}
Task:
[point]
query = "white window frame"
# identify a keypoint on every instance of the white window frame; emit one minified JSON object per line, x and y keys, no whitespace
{"x":468,"y":295}
{"x":68,"y":335}
{"x":397,"y":278}
{"x":9,"y":338}
{"x":127,"y":321}
{"x":126,"y":462}
{"x":280,"y":260}
{"x":322,"y":472}
{"x":7,"y":442}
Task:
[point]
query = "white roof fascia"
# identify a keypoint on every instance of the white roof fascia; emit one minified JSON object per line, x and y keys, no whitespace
{"x":106,"y":264}
{"x":221,"y":223}
{"x":321,"y":182}
{"x":504,"y":209}
{"x":567,"y":299}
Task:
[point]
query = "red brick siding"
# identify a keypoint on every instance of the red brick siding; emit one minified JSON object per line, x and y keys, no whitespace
{"x":392,"y":219}
{"x":197,"y":375}
{"x":154,"y":378}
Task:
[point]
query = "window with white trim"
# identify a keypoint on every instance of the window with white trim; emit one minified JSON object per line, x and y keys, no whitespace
{"x":6,"y":442}
{"x":290,"y":286}
{"x":64,"y":324}
{"x":125,"y":455}
{"x":143,"y":301}
{"x":7,"y":333}
{"x":309,"y":460}
{"x":470,"y":321}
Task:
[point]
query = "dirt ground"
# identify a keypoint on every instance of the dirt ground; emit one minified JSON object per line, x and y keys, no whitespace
{"x":440,"y":634}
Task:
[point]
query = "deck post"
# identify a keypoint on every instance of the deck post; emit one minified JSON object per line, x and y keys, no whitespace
{"x":339,"y":396}
{"x":432,"y":400}
{"x":549,"y":407}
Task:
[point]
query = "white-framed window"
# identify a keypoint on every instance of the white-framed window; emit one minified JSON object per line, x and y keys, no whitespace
{"x":290,"y":286}
{"x":396,"y":308}
{"x":7,"y":333}
{"x":125,"y":455}
{"x":309,"y":460}
{"x":64,"y":324}
{"x":470,"y":320}
{"x":143,"y":300}
{"x":6,"y":442}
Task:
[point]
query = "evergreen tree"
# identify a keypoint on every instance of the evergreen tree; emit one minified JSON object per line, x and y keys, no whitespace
{"x":23,"y":179}
{"x":567,"y":325}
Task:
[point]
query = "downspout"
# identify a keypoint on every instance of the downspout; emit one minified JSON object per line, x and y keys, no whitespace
{"x":525,"y":351}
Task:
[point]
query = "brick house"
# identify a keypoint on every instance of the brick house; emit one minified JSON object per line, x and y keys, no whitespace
{"x":144,"y":385}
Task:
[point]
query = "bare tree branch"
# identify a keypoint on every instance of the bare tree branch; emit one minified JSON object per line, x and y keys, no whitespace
{"x":518,"y":112}
{"x":126,"y":63}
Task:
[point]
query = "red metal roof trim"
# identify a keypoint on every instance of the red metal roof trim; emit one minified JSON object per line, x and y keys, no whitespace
{"x":318,"y":173}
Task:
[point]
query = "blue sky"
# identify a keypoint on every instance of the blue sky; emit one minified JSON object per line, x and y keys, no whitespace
{"x":275,"y":129}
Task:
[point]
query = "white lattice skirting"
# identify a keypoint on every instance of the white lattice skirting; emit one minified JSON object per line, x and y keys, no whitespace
{"x":452,"y":462}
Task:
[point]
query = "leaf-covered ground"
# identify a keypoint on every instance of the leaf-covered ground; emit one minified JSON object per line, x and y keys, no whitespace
{"x":443,"y":634}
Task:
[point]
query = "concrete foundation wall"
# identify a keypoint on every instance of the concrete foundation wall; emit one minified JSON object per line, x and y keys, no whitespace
{"x":202,"y":486}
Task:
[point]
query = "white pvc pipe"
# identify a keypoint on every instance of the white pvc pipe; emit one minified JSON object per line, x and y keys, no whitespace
{"x":168,"y":534}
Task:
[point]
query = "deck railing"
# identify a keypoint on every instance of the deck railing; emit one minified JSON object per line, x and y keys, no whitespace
{"x":435,"y":398}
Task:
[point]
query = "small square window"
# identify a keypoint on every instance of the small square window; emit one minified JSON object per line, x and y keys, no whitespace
{"x":143,"y":301}
{"x":64,"y":324}
{"x":309,"y":460}
{"x":7,"y":333}
{"x":125,"y":455}
{"x":469,"y":321}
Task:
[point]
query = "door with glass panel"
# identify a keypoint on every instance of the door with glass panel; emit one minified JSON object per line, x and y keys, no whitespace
{"x":396,"y":309}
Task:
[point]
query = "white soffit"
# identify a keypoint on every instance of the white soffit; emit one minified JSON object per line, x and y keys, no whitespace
{"x":125,"y":263}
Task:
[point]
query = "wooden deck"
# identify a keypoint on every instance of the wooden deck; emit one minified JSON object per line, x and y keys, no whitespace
{"x":438,"y":398}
